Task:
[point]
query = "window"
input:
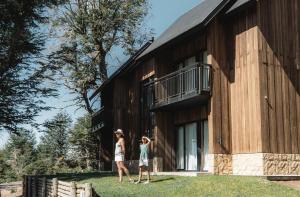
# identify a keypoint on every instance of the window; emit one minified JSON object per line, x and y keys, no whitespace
{"x":147,"y":117}
{"x":201,"y":57}
{"x":187,"y":62}
{"x":190,"y":61}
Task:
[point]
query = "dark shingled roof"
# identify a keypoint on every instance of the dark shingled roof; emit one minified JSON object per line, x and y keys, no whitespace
{"x":187,"y":21}
{"x":238,"y":4}
{"x":199,"y":15}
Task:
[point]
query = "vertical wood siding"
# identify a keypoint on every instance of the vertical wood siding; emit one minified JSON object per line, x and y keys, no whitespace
{"x":279,"y":23}
{"x":245,"y":104}
{"x":218,"y":113}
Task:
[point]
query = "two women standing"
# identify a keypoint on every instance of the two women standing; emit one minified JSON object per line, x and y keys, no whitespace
{"x":120,"y":157}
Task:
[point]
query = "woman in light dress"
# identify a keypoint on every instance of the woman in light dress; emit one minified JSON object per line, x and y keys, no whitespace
{"x":120,"y":155}
{"x":144,"y":159}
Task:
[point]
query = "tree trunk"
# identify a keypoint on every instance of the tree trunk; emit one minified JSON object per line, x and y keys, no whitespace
{"x":87,"y":102}
{"x":103,"y":68}
{"x":101,"y":61}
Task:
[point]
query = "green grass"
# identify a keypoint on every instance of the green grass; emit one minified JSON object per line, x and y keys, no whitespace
{"x":166,"y":186}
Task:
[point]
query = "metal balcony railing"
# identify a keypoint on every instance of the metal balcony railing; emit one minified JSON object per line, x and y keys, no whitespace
{"x":180,"y":85}
{"x":98,"y":120}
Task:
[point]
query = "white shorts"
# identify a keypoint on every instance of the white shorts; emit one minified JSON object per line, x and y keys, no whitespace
{"x":119,"y":157}
{"x":143,"y":162}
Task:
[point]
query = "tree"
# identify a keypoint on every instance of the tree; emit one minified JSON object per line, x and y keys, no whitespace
{"x":84,"y":143}
{"x":5,"y":170}
{"x":22,"y":69}
{"x":92,"y":29}
{"x":54,"y":143}
{"x":19,"y":153}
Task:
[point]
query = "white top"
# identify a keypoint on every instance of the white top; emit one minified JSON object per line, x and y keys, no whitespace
{"x":118,"y":149}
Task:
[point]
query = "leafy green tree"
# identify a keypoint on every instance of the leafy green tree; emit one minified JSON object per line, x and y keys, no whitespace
{"x":54,"y":143}
{"x":18,"y":155}
{"x":53,"y":147}
{"x":22,"y":69}
{"x":6,"y":172}
{"x":93,"y":28}
{"x":84,"y":144}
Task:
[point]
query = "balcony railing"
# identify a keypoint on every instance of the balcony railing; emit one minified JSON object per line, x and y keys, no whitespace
{"x":98,"y":120}
{"x":186,"y":83}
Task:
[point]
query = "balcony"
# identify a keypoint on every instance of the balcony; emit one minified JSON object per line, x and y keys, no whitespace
{"x":186,"y":86}
{"x":98,"y":120}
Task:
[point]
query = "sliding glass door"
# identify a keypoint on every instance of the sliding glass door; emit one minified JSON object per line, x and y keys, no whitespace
{"x":192,"y":146}
{"x":186,"y":154}
{"x":180,"y":149}
{"x":191,"y":162}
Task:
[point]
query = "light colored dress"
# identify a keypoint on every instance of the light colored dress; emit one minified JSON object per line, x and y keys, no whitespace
{"x":144,"y":155}
{"x":119,"y":156}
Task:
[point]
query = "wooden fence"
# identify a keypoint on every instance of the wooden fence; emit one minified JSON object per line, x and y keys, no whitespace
{"x":35,"y":186}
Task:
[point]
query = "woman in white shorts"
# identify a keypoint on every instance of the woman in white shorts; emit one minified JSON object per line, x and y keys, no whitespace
{"x":119,"y":155}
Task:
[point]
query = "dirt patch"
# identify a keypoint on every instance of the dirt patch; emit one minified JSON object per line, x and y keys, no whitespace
{"x":11,"y":193}
{"x":11,"y":189}
{"x":291,"y":184}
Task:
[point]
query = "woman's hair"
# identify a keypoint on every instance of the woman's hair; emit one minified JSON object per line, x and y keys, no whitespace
{"x":144,"y":135}
{"x":120,"y":136}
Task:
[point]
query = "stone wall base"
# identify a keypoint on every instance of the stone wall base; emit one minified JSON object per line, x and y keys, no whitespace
{"x":266,"y":164}
{"x":281,"y":164}
{"x":254,"y":164}
{"x":222,"y":164}
{"x":248,"y":164}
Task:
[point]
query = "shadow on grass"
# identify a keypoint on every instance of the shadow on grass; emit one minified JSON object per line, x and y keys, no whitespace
{"x":163,"y":179}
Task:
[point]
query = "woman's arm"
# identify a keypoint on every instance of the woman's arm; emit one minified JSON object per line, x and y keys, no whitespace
{"x":148,"y":140}
{"x":122,"y":143}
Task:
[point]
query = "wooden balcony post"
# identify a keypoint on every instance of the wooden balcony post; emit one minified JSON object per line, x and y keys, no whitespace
{"x":24,"y":186}
{"x":44,"y":187}
{"x":55,"y":187}
{"x":88,"y":190}
{"x":29,"y":186}
{"x":73,"y":189}
{"x":35,"y":189}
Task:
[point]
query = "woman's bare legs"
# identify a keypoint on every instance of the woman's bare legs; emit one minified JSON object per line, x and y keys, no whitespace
{"x":120,"y":171}
{"x":148,"y":175}
{"x":148,"y":171}
{"x":140,"y":175}
{"x":122,"y":167}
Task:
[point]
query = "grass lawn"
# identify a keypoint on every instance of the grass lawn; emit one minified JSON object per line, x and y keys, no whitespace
{"x":190,"y":186}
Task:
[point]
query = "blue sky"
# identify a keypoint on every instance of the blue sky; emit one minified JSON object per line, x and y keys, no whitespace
{"x":161,"y":15}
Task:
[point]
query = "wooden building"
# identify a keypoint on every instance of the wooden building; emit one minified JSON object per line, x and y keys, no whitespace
{"x":218,"y":91}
